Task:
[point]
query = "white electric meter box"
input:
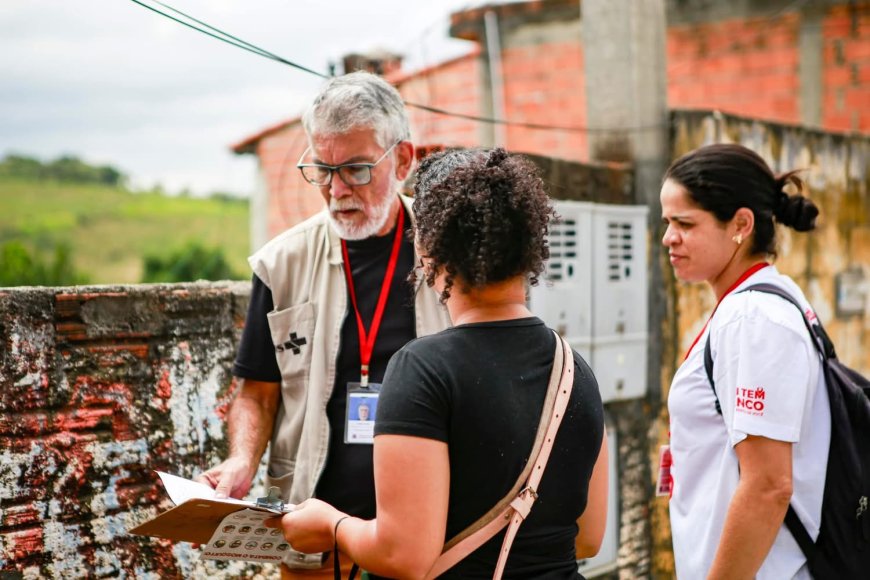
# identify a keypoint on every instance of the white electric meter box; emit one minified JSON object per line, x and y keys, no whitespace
{"x":594,"y":291}
{"x":563,"y":296}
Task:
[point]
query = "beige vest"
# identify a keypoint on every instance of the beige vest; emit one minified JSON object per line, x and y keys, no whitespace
{"x":303,"y":269}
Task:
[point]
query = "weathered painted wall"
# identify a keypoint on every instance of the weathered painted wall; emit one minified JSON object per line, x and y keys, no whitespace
{"x":836,"y":172}
{"x":99,"y":386}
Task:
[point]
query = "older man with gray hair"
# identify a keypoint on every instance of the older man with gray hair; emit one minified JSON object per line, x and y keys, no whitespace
{"x":329,"y":306}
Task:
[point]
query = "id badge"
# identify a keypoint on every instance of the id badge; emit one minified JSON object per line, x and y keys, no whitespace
{"x":362,"y":406}
{"x":665,"y":483}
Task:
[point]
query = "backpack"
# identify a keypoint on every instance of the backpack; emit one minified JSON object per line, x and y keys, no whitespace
{"x":842,"y":549}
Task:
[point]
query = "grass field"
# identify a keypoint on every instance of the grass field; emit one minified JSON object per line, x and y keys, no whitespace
{"x":110,"y":230}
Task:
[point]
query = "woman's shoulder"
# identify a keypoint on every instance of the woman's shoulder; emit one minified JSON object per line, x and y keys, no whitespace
{"x":428,"y":349}
{"x":759,"y":307}
{"x":583,"y":369}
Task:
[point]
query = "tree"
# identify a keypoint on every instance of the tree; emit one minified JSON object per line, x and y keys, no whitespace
{"x":188,"y":264}
{"x":66,"y":168}
{"x":21,"y":166}
{"x":20,"y":267}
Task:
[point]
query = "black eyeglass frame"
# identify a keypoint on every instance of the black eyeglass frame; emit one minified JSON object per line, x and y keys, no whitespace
{"x":333,"y":169}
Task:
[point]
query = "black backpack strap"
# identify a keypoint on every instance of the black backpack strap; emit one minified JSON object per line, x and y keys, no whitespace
{"x":708,"y":366}
{"x":826,"y":349}
{"x":801,"y":536}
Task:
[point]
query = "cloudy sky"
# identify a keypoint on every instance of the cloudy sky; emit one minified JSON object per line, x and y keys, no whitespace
{"x":114,"y":83}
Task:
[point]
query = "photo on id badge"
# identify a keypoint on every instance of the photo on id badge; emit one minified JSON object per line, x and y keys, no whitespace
{"x":362,"y":406}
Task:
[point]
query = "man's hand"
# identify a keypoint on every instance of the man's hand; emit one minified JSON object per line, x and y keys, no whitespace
{"x":232,"y":478}
{"x":249,"y":427}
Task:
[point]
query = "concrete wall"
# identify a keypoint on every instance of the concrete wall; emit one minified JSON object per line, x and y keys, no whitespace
{"x":99,"y":386}
{"x":839,"y":183}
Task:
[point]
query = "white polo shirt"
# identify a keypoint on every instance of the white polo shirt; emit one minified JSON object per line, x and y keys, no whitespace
{"x":769,"y":382}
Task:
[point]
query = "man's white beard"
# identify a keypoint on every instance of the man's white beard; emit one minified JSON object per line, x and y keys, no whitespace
{"x":375,"y":221}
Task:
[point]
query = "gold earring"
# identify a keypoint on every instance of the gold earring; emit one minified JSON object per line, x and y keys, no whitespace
{"x":738,"y":239}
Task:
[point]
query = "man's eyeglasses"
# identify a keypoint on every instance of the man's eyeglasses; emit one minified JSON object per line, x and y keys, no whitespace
{"x":350,"y":173}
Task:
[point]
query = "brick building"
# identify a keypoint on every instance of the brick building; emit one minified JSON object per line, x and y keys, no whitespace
{"x":804,"y":63}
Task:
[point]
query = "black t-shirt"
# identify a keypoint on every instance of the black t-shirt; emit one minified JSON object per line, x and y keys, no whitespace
{"x":480,"y":388}
{"x":347,"y":481}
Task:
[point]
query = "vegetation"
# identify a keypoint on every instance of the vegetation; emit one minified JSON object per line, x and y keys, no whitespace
{"x":68,"y":169}
{"x":20,"y":267}
{"x":192,"y":262}
{"x":106,"y":231}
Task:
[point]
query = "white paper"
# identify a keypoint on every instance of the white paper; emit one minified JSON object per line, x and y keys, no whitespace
{"x":181,"y":490}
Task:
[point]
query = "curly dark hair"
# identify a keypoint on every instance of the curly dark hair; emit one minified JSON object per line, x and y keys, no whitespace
{"x":481,"y":215}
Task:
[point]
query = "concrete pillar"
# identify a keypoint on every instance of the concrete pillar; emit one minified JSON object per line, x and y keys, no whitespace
{"x":626,"y":82}
{"x":626,"y":94}
{"x":810,"y":62}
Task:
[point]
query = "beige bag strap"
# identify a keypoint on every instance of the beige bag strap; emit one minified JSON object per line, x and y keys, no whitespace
{"x":515,"y":506}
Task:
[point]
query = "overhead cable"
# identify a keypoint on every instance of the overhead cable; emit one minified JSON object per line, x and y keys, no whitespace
{"x":244,"y":45}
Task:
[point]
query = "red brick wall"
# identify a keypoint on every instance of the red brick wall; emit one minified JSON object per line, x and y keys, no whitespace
{"x":291,"y":199}
{"x":846,"y":61}
{"x":545,"y":85}
{"x":453,"y":86}
{"x":748,"y":67}
{"x":743,"y":66}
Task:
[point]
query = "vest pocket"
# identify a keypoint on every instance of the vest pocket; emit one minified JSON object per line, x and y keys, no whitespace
{"x":280,"y":474}
{"x":292,"y":335}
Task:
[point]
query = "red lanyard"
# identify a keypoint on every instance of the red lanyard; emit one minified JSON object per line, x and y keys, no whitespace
{"x":739,"y":281}
{"x":367,"y":340}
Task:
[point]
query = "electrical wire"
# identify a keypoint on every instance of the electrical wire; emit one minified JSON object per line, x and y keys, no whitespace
{"x":228,"y":38}
{"x":244,"y":45}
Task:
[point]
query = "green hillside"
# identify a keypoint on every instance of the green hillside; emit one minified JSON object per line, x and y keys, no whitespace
{"x":110,"y":231}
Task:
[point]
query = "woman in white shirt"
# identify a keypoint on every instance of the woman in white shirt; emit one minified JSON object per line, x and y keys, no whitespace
{"x":735,"y":472}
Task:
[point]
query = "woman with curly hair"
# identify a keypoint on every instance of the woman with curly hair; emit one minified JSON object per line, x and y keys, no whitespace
{"x":459,"y":410}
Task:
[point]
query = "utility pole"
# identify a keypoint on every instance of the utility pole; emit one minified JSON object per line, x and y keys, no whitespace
{"x":626,"y":94}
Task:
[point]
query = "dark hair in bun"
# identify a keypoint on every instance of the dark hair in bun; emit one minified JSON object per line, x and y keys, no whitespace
{"x":722,"y":178}
{"x":794,"y":211}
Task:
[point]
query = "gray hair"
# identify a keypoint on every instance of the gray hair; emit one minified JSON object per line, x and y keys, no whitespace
{"x":441,"y":164}
{"x":355,"y":101}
